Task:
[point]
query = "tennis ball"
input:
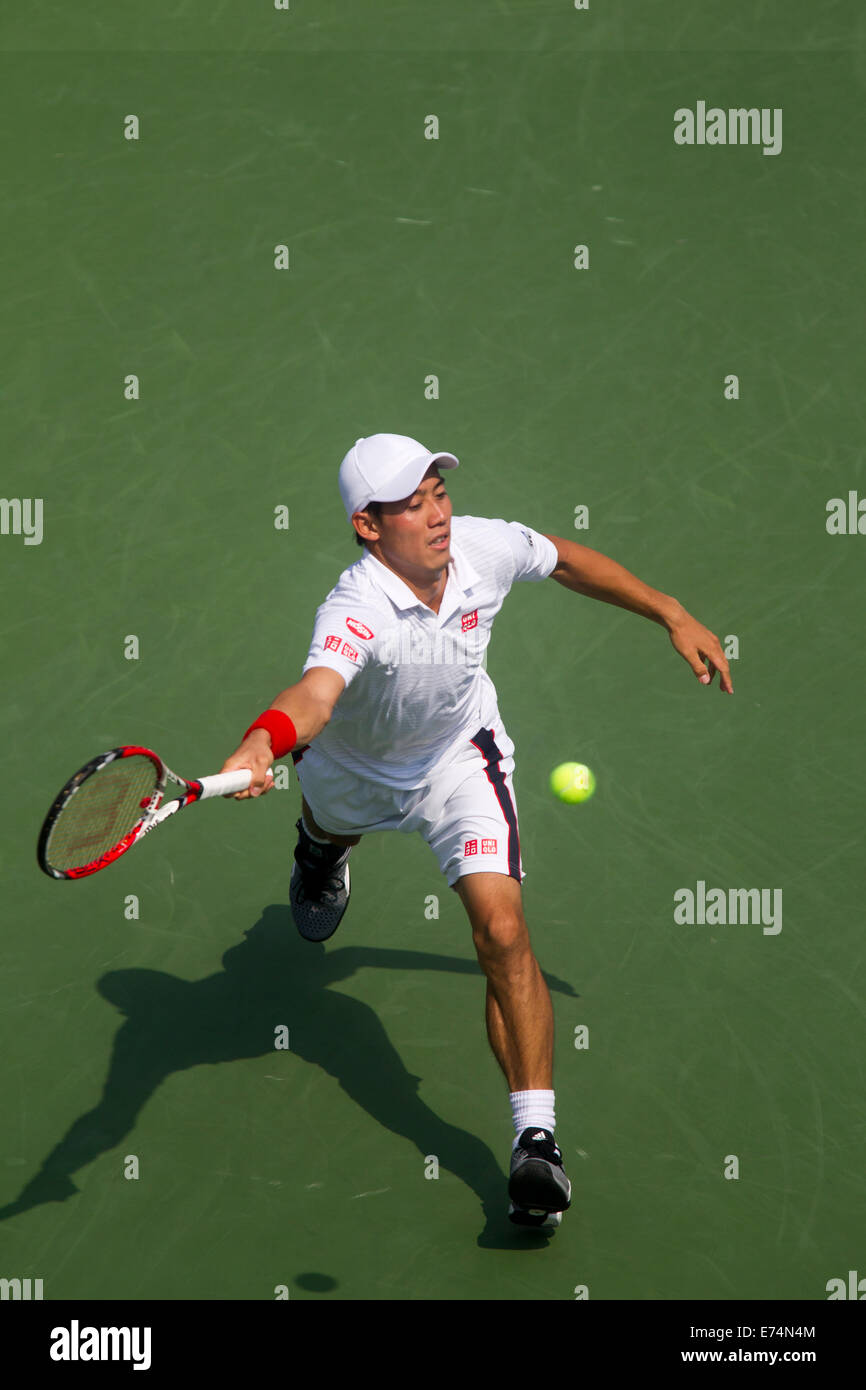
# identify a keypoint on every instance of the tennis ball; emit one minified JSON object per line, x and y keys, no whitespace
{"x":572,"y":783}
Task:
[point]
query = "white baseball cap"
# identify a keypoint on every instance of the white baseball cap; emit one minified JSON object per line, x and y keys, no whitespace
{"x":385,"y":468}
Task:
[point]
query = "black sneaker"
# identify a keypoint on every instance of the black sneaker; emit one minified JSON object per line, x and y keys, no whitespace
{"x":538,"y":1187}
{"x":320,"y":886}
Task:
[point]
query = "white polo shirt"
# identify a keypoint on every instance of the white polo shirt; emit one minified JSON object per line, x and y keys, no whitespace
{"x":416,"y":686}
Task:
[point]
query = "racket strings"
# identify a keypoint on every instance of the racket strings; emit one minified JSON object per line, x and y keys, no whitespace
{"x":107,"y":805}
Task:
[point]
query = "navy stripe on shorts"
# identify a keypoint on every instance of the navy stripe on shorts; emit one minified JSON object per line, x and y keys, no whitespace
{"x":485,"y":742}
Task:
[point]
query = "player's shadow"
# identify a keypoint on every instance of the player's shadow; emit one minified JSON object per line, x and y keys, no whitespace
{"x":273,"y":978}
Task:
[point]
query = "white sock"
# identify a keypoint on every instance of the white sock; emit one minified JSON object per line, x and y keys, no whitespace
{"x":533,"y":1109}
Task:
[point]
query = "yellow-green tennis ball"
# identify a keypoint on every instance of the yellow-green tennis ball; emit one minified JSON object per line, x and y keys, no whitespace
{"x":572,"y":783}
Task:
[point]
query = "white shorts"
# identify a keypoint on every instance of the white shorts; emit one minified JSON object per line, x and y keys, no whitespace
{"x":467,"y":813}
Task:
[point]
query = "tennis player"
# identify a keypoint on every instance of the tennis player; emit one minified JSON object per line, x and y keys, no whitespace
{"x":394,"y":725}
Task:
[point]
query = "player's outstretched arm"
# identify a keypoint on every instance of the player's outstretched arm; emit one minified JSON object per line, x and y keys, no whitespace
{"x":309,"y":704}
{"x":597,"y":576}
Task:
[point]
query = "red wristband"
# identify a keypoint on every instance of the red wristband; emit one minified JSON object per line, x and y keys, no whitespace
{"x":279,"y":726}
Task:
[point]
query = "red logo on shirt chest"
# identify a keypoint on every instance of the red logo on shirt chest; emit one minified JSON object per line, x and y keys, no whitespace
{"x":469,"y":620}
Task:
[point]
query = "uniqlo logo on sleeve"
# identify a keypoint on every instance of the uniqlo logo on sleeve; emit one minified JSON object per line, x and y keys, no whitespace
{"x":471,"y":847}
{"x":469,"y":620}
{"x":488,"y":846}
{"x":349,"y":652}
{"x":332,"y":644}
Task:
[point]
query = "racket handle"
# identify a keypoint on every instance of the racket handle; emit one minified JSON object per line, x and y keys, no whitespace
{"x":225,"y":783}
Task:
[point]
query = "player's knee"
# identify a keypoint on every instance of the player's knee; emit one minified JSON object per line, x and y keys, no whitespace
{"x":501,"y":935}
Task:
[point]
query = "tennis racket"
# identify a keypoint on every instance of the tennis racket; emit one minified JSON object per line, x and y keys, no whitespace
{"x":112,"y":803}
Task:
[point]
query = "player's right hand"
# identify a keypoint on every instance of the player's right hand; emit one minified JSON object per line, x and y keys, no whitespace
{"x":255,"y":753}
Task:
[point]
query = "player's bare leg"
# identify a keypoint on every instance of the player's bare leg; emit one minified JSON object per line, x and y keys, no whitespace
{"x":518,"y":1010}
{"x":519,"y":1016}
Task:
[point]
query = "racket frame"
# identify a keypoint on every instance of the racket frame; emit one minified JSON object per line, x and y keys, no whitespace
{"x":153,"y":811}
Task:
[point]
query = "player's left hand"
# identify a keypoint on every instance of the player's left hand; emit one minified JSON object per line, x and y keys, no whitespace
{"x":702,"y":650}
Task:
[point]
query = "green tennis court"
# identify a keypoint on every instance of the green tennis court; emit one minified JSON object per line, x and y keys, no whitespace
{"x":178,"y":405}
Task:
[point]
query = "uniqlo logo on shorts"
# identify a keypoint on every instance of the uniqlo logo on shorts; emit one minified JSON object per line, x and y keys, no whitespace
{"x":488,"y":846}
{"x":349,"y":652}
{"x":469,"y":620}
{"x":471,"y":847}
{"x":332,"y":644}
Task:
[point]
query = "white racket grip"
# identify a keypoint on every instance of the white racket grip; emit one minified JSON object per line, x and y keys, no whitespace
{"x":225,"y":783}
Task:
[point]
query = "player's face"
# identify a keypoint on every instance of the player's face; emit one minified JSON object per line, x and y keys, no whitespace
{"x":416,"y":533}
